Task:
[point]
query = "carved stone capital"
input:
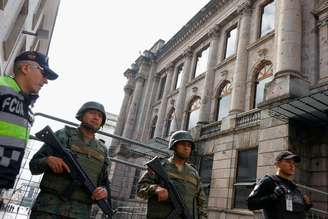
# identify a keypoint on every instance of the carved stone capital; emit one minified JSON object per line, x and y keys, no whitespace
{"x":144,"y":60}
{"x":245,"y":7}
{"x":141,"y":78}
{"x":130,"y":73}
{"x":150,"y":55}
{"x":215,"y":31}
{"x":156,"y":77}
{"x":187,"y":53}
{"x":170,"y":67}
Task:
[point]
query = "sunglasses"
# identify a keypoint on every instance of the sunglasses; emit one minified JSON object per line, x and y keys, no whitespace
{"x":37,"y":67}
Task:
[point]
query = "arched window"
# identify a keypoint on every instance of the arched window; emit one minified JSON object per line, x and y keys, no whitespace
{"x":265,"y":75}
{"x":169,"y":122}
{"x":152,"y":128}
{"x":223,"y":101}
{"x":193,"y":113}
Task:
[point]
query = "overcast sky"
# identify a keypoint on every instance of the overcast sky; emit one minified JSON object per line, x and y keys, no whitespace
{"x":94,"y":42}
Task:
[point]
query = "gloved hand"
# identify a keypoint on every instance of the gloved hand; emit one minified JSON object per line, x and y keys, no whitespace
{"x":279,"y":191}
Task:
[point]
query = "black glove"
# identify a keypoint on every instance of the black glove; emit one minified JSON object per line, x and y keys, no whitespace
{"x":278,"y":192}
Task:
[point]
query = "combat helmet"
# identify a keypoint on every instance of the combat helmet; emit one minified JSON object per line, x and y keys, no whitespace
{"x":91,"y":105}
{"x":181,"y":136}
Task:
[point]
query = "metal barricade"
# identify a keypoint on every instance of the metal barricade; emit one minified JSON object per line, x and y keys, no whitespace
{"x":17,"y":202}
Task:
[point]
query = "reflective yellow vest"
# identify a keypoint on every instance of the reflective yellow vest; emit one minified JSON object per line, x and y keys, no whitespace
{"x":16,"y":119}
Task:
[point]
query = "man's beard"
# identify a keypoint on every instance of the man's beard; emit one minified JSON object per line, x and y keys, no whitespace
{"x":89,"y":127}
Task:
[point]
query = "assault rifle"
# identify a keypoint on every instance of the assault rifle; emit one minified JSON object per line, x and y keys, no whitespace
{"x":179,"y":207}
{"x":47,"y":136}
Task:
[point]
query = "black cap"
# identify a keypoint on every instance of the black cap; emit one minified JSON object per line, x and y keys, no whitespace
{"x":39,"y":58}
{"x":287,"y":155}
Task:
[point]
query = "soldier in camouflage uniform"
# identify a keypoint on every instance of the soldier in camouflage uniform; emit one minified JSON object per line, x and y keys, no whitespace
{"x":60,"y":196}
{"x":185,"y":178}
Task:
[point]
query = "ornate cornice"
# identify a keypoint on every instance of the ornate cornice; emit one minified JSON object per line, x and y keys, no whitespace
{"x":245,"y":7}
{"x":193,"y":25}
{"x":143,"y":60}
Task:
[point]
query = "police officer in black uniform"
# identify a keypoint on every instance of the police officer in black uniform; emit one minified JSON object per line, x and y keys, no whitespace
{"x":277,"y":195}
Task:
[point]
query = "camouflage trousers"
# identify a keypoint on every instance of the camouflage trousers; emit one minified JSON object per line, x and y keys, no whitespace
{"x":45,"y":215}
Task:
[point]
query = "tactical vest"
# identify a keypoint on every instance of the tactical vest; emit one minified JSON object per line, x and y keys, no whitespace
{"x":16,"y":119}
{"x":92,"y":160}
{"x":186,"y":183}
{"x":298,"y":211}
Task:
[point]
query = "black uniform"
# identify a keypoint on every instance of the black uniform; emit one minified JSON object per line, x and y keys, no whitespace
{"x":287,"y":206}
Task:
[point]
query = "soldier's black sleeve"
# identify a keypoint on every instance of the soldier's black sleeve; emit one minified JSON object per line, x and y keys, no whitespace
{"x":262,"y":195}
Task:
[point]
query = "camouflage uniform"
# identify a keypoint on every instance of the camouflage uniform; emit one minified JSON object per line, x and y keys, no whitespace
{"x":60,"y":196}
{"x":187,"y":182}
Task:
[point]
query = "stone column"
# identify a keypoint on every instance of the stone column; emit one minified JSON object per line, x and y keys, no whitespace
{"x":288,"y":79}
{"x":146,"y":123}
{"x":163,"y":106}
{"x":205,"y":107}
{"x":323,"y":42}
{"x":240,"y":73}
{"x":128,"y":89}
{"x":146,"y":100}
{"x":177,"y":121}
{"x":134,"y":108}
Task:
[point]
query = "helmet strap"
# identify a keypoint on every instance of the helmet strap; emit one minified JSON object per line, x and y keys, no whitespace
{"x":88,"y":127}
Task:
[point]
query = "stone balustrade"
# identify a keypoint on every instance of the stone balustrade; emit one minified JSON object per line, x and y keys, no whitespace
{"x":211,"y":128}
{"x":248,"y":118}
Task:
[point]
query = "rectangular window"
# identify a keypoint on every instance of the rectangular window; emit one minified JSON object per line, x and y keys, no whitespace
{"x":8,"y":44}
{"x":161,"y":88}
{"x":36,"y":15}
{"x":231,"y":42}
{"x":3,"y":4}
{"x":178,"y":76}
{"x":246,"y":176}
{"x":201,"y":62}
{"x":205,"y":172}
{"x":267,"y":18}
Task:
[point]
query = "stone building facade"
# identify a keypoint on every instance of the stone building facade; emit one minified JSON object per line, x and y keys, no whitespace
{"x":25,"y":25}
{"x":230,"y":76}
